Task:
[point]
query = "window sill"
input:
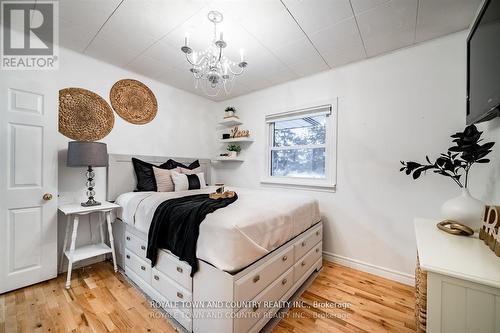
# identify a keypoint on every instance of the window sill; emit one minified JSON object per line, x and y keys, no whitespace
{"x":299,"y":184}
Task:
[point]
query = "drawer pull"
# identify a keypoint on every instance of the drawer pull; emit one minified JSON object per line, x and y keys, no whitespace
{"x":284,"y":281}
{"x":285,"y":258}
{"x":143,"y":247}
{"x":127,"y":238}
{"x":180,"y":295}
{"x":143,"y":268}
{"x":255,"y":307}
{"x":303,"y":244}
{"x":157,"y":278}
{"x":128,"y":256}
{"x":256,"y":278}
{"x":317,"y":233}
{"x":303,"y":264}
{"x":179,"y":269}
{"x":317,"y":250}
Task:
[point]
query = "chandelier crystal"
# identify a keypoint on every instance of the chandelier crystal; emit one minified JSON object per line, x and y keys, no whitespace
{"x":212,"y":70}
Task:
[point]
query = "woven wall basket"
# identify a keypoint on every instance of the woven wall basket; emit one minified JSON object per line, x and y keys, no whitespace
{"x":133,"y":101}
{"x":84,"y":115}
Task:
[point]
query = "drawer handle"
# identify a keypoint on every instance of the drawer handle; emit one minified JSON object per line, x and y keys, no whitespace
{"x":143,"y":268}
{"x":255,"y":307}
{"x":284,"y":281}
{"x":127,"y":238}
{"x":256,"y":278}
{"x":179,"y":269}
{"x":180,"y":295}
{"x":284,"y":258}
{"x":143,"y":247}
{"x":157,"y":278}
{"x":128,"y":257}
{"x":317,"y":250}
{"x":317,"y":233}
{"x":303,"y":264}
{"x":303,"y":244}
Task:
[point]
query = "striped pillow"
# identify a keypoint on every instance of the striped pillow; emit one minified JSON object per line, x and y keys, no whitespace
{"x":163,"y":178}
{"x":184,"y":182}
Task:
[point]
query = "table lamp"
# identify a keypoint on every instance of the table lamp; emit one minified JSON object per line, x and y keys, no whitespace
{"x":89,"y":154}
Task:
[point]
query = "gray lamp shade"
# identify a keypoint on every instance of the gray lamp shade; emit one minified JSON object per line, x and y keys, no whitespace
{"x":82,"y":153}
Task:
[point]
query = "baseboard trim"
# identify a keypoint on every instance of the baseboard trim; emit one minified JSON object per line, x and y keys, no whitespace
{"x":387,"y":273}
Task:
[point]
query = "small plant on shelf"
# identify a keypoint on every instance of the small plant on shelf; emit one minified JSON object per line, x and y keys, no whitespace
{"x":233,"y":150}
{"x":230,"y":111}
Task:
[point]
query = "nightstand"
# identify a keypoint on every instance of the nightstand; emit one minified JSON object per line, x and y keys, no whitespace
{"x":73,"y":212}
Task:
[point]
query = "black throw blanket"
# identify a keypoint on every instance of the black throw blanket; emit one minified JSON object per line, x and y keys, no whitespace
{"x":176,"y":226}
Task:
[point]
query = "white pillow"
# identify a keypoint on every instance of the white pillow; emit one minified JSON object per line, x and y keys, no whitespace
{"x":182,"y":181}
{"x":163,"y":178}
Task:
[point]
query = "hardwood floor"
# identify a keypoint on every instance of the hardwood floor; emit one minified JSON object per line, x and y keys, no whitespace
{"x":339,"y":300}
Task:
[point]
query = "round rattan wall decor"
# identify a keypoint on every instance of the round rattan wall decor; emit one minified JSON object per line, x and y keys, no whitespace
{"x":84,"y":115}
{"x":133,"y":101}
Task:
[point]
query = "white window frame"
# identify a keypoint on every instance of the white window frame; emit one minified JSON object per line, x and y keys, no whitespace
{"x":324,"y":184}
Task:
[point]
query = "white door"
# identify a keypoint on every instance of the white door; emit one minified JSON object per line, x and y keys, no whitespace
{"x":28,"y":180}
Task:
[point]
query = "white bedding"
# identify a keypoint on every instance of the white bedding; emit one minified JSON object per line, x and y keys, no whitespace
{"x":235,"y":236}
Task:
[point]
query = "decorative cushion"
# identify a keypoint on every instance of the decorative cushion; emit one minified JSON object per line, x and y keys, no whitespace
{"x":163,"y":179}
{"x":189,"y":171}
{"x":184,"y":182}
{"x":171,"y":164}
{"x":145,"y":175}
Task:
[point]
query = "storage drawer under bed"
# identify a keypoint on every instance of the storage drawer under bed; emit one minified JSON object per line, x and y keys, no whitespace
{"x":307,"y":261}
{"x":308,"y":241}
{"x":139,"y":266}
{"x":136,"y":245}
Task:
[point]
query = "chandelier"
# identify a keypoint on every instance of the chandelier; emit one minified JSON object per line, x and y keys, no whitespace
{"x":211,"y":69}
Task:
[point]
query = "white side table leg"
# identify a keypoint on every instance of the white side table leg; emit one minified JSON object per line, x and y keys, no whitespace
{"x":65,"y":244}
{"x":111,"y":239}
{"x":76,"y":219}
{"x":101,"y":229}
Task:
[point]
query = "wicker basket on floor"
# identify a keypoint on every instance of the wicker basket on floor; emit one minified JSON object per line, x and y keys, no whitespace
{"x":420,"y":298}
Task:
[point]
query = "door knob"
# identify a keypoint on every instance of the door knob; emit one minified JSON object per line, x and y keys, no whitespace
{"x":47,"y":196}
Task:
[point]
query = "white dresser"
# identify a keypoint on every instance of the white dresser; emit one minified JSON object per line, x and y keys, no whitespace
{"x":463,"y":281}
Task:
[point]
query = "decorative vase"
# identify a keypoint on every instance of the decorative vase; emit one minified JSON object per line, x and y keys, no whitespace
{"x":232,"y":154}
{"x":229,"y":114}
{"x":464,"y":209}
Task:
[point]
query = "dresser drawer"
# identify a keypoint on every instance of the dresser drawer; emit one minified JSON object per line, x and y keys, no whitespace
{"x":264,"y":302}
{"x":139,"y":266}
{"x":171,"y":291}
{"x":253,"y":283}
{"x":307,"y":261}
{"x":136,"y":245}
{"x":306,"y":243}
{"x":175,"y":269}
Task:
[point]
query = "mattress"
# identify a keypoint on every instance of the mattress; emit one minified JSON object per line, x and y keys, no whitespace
{"x":233,"y":237}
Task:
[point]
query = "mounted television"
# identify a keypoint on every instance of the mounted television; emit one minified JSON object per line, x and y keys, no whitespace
{"x":483,"y":64}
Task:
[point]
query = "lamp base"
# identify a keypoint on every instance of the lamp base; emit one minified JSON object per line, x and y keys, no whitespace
{"x":90,"y":203}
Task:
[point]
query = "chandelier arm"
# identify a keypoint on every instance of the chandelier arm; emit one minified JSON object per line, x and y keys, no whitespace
{"x":196,"y":64}
{"x":236,"y":73}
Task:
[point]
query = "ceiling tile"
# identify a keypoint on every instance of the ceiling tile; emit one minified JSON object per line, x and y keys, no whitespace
{"x":440,"y":17}
{"x":295,"y":51}
{"x":117,"y":52}
{"x":388,"y":26}
{"x":165,"y":53}
{"x":309,"y":66}
{"x":340,"y":39}
{"x":361,"y":5}
{"x":148,"y":67}
{"x":314,"y":15}
{"x":89,"y":13}
{"x":274,"y":29}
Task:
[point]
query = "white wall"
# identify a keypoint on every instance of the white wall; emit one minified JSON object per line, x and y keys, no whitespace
{"x":400,"y":106}
{"x":181,"y":127}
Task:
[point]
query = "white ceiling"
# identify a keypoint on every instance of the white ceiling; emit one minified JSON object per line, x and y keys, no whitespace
{"x":283,"y":40}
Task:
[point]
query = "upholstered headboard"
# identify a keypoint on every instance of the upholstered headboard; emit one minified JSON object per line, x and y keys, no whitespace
{"x":121,"y":175}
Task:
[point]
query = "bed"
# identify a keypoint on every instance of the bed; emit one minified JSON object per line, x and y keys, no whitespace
{"x":252,"y":254}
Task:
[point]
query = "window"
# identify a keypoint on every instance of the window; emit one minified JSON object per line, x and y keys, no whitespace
{"x":300,"y":148}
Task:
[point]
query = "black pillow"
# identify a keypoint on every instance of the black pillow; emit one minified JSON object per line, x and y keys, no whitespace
{"x":145,"y":176}
{"x":171,"y":164}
